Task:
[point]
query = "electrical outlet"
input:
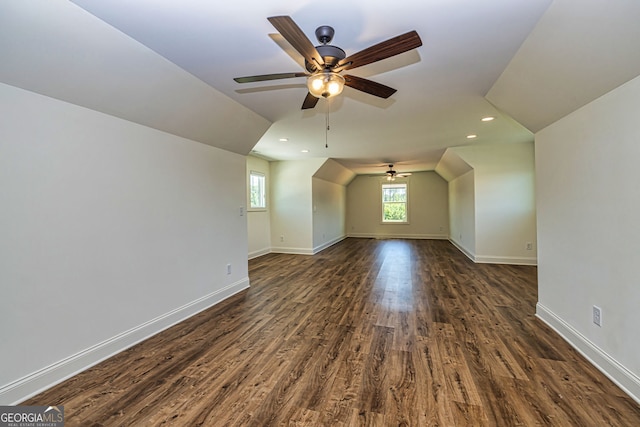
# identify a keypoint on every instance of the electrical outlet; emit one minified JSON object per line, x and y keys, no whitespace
{"x":228,"y":268}
{"x":529,"y":246}
{"x":597,"y":315}
{"x":282,"y":238}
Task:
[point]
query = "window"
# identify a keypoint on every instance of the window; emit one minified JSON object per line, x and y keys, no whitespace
{"x":257,"y":191}
{"x":394,"y":202}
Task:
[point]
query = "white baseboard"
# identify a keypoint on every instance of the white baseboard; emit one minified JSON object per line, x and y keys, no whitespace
{"x":615,"y":371}
{"x":492,"y":259}
{"x":294,"y":251}
{"x":36,"y":382}
{"x":464,"y":250}
{"x":331,"y":242}
{"x":258,"y":253}
{"x":399,"y":236}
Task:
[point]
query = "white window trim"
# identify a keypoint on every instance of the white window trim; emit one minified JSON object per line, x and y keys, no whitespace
{"x":258,"y":209}
{"x":397,"y":181}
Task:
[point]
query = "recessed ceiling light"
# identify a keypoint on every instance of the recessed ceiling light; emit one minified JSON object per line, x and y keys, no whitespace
{"x":471,"y":136}
{"x":304,"y":151}
{"x":284,"y":139}
{"x":487,"y":119}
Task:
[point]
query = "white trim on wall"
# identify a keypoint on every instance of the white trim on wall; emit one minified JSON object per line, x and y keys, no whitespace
{"x":399,"y":236}
{"x":464,"y":250}
{"x":325,"y":245}
{"x":492,"y":259}
{"x":293,"y":251}
{"x":49,"y":376}
{"x":259,"y":253}
{"x":614,"y":370}
{"x":297,"y":251}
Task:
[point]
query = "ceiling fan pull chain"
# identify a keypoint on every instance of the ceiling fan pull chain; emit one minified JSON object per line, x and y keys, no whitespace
{"x":326,"y":133}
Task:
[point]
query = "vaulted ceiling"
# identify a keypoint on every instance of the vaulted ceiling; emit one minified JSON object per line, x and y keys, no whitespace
{"x":170,"y":65}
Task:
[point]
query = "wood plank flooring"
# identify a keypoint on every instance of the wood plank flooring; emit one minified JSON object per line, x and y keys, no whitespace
{"x":368,"y":332}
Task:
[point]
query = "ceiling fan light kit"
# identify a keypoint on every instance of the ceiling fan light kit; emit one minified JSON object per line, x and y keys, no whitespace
{"x":325,"y":84}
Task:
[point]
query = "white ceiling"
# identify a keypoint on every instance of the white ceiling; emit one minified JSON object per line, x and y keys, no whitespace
{"x":471,"y":65}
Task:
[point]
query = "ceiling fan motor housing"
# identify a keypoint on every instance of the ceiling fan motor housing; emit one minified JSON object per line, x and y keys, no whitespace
{"x":330,"y":54}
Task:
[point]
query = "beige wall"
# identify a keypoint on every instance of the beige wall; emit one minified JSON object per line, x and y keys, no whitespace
{"x":588,"y":196}
{"x":291,"y":205}
{"x":428,"y":208}
{"x":111,"y":231}
{"x":329,"y":206}
{"x":504,"y":202}
{"x":305,"y":213}
{"x":462,"y":216}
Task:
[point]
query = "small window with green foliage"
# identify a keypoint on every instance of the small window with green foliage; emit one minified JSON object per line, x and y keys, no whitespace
{"x":257,"y":190}
{"x":394,"y":202}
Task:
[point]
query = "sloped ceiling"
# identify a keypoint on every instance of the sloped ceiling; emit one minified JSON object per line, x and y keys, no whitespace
{"x":57,"y":49}
{"x":333,"y":171}
{"x":452,"y":166}
{"x":170,"y":65}
{"x":577,"y":52}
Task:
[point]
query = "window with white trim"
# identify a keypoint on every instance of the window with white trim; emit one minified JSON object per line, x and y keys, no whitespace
{"x":257,"y":190}
{"x":394,"y":203}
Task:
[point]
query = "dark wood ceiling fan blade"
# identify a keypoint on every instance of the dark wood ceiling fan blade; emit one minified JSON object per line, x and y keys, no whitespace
{"x":368,"y":86}
{"x":263,"y":77}
{"x":380,"y":51}
{"x":309,"y":102}
{"x":294,"y":35}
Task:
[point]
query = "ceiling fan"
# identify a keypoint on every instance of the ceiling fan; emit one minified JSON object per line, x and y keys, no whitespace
{"x":391,"y":174}
{"x":325,"y":62}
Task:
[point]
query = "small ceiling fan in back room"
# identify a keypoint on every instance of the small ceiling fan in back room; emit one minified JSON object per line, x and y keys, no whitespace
{"x":391,"y":174}
{"x":324,"y":63}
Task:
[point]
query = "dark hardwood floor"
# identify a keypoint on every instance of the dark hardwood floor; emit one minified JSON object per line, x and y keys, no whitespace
{"x":368,"y":332}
